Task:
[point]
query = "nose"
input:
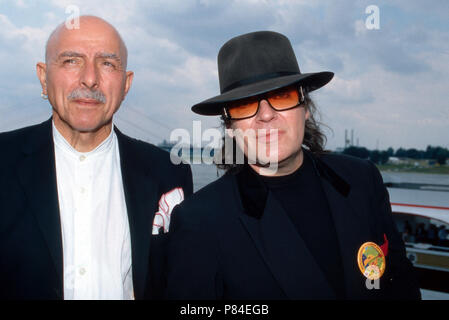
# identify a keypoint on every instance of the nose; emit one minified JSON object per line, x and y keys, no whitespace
{"x":266,"y":112}
{"x":89,"y":76}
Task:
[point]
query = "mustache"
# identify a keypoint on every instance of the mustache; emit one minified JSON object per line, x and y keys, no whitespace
{"x":87,"y":94}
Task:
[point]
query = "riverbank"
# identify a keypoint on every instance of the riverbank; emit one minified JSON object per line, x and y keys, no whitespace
{"x":443,"y":169}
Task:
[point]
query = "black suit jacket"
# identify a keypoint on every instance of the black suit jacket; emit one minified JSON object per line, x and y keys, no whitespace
{"x":220,"y":250}
{"x":31,"y":256}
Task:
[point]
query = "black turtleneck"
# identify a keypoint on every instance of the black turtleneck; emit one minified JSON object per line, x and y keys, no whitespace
{"x":302,"y":197}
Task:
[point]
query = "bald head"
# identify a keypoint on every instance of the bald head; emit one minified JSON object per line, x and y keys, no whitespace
{"x":85,"y":78}
{"x":89,"y":27}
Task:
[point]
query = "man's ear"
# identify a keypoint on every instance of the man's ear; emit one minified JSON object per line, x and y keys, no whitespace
{"x":41,"y":71}
{"x":128,"y":82}
{"x":307,"y":115}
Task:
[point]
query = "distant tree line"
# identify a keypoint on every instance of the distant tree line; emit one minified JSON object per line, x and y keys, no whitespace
{"x":438,"y":154}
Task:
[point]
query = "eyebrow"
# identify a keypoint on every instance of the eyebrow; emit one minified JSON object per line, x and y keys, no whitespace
{"x":104,"y":55}
{"x":107,"y":55}
{"x":70,"y":54}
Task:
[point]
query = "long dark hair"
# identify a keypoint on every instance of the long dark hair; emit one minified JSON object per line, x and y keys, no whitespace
{"x":314,"y":139}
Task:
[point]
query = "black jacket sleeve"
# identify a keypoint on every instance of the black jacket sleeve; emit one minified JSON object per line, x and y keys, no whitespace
{"x":401,"y":280}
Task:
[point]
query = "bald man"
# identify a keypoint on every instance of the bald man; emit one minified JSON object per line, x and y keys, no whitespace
{"x":84,"y":209}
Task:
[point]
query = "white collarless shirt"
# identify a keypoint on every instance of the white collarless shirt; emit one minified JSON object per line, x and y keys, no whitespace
{"x":94,"y":221}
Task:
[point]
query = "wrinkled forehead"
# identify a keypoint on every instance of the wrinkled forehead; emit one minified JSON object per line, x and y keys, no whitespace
{"x":91,"y":38}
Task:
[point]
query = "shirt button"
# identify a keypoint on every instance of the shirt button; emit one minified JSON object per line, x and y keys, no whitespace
{"x":82,"y":157}
{"x":82,"y":271}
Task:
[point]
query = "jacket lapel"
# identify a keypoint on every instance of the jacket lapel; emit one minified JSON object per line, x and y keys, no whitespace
{"x":37,"y":175}
{"x":141,"y":202}
{"x":351,"y":225}
{"x":285,"y":253}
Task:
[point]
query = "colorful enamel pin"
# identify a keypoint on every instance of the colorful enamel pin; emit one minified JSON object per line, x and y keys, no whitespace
{"x":371,"y":260}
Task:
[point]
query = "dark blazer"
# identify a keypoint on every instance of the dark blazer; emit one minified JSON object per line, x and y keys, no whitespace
{"x":219,"y":250}
{"x":31,"y":265}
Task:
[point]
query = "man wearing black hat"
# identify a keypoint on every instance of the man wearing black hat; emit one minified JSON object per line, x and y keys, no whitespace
{"x":298,"y":223}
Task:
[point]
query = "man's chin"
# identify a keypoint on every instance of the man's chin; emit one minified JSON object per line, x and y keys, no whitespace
{"x":86,"y":127}
{"x":277,"y":159}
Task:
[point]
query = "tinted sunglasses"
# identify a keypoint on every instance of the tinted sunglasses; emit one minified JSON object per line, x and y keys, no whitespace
{"x":280,"y":100}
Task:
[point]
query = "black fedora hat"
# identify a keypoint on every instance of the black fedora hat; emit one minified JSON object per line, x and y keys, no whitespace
{"x":255,"y":63}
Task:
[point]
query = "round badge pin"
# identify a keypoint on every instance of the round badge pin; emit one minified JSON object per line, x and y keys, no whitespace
{"x":371,"y":260}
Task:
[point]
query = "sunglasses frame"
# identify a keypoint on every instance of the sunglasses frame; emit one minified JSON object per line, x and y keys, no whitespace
{"x":263,"y":96}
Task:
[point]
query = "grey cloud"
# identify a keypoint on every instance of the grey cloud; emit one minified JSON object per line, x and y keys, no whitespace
{"x":173,"y":47}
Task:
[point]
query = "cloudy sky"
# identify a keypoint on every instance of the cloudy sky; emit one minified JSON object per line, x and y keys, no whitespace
{"x":391,"y":85}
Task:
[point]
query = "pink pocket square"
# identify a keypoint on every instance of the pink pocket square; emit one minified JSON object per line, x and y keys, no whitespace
{"x":166,"y":204}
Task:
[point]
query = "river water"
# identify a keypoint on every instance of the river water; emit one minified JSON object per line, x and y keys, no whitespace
{"x":414,"y":188}
{"x":418,"y":188}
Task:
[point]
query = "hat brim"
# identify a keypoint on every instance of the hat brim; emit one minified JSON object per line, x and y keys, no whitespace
{"x":310,"y":81}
